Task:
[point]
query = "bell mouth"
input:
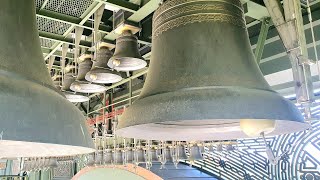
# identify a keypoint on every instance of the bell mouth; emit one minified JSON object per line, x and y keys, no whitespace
{"x":86,"y":87}
{"x":202,"y":130}
{"x":128,"y":64}
{"x":208,"y":113}
{"x":76,"y":98}
{"x":14,"y":149}
{"x":104,"y":78}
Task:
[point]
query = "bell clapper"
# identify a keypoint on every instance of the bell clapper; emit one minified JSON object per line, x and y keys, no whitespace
{"x":128,"y":74}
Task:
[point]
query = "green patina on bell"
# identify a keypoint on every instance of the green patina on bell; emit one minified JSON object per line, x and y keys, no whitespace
{"x":83,"y":86}
{"x":100,"y":72}
{"x":35,"y":118}
{"x":127,"y":56}
{"x":203,"y":82}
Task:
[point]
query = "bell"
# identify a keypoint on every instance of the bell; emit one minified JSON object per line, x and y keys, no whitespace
{"x":219,"y":148}
{"x":98,"y":158}
{"x":100,"y":72}
{"x":210,"y":148}
{"x":36,"y":120}
{"x":57,"y":81}
{"x":179,"y":153}
{"x":81,"y":85}
{"x":203,"y":82}
{"x":90,"y":160}
{"x":195,"y":153}
{"x":118,"y":157}
{"x":230,"y":147}
{"x":127,"y":56}
{"x":67,"y":81}
{"x":108,"y":157}
{"x":76,"y":98}
{"x":152,"y":155}
{"x":128,"y":155}
{"x":138,"y":156}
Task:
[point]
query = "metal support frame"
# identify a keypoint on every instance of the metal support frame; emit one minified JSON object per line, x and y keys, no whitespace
{"x":289,"y":23}
{"x":130,"y":91}
{"x":85,"y":16}
{"x":265,"y":24}
{"x":118,"y":84}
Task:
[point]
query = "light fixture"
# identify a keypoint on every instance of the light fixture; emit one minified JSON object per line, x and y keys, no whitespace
{"x":127,"y":56}
{"x":36,"y":120}
{"x":100,"y":72}
{"x":203,"y":82}
{"x":83,"y":86}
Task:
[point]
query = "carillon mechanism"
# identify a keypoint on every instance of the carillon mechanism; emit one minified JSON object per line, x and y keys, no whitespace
{"x":112,"y":150}
{"x":203,"y":82}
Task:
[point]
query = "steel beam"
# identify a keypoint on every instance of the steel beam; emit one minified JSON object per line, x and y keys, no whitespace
{"x":44,"y":4}
{"x":265,"y":24}
{"x":62,"y":39}
{"x":94,"y":6}
{"x":145,"y":10}
{"x":255,"y":10}
{"x":121,"y":4}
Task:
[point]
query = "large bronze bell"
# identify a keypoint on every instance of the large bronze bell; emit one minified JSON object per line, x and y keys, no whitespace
{"x":203,"y":82}
{"x":81,"y":85}
{"x":127,"y":56}
{"x":100,"y":72}
{"x":36,"y":120}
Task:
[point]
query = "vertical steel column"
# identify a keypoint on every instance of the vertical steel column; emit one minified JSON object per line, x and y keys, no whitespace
{"x":110,"y":97}
{"x":130,"y":91}
{"x":65,"y":47}
{"x":265,"y":24}
{"x":288,"y":21}
{"x":78,"y":34}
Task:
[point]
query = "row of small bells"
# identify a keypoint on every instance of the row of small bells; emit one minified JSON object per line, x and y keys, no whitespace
{"x":113,"y":150}
{"x":101,"y":71}
{"x":39,"y":164}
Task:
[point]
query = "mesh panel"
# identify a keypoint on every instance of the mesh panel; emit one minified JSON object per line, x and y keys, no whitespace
{"x":51,"y":26}
{"x":46,"y":43}
{"x":39,"y":3}
{"x":69,"y":7}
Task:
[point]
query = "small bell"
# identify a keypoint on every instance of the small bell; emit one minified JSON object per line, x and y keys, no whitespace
{"x":118,"y":157}
{"x":195,"y":153}
{"x":81,"y":85}
{"x":100,"y":72}
{"x":127,"y":56}
{"x":76,"y":98}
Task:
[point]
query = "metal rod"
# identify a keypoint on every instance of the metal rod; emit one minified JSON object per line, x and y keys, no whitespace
{"x":113,"y":104}
{"x":313,"y":38}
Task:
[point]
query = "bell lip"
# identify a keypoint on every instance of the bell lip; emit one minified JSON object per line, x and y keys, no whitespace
{"x":201,"y":133}
{"x":141,"y":61}
{"x":97,"y":88}
{"x":37,"y":149}
{"x":206,"y":103}
{"x":23,"y":94}
{"x":76,"y":98}
{"x":116,"y":77}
